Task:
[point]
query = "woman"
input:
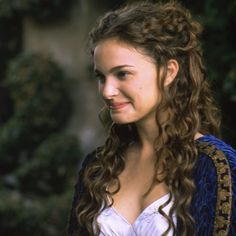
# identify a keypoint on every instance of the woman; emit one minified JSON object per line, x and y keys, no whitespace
{"x":161,"y":171}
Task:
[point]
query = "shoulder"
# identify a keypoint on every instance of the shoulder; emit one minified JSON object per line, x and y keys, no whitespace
{"x":216,"y":160}
{"x":216,"y":166}
{"x":88,"y":159}
{"x":79,"y":191}
{"x":217,"y":151}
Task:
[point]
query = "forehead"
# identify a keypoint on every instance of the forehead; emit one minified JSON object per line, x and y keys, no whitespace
{"x":112,"y":52}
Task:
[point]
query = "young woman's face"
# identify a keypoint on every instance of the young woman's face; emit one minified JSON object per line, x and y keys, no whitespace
{"x":127,"y":82}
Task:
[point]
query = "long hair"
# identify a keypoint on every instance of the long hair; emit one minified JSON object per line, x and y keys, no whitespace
{"x":163,"y":32}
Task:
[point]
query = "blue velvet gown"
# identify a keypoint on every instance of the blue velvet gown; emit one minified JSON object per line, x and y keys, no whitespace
{"x":214,"y":202}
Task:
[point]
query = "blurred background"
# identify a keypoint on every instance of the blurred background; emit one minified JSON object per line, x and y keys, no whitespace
{"x":49,"y":101}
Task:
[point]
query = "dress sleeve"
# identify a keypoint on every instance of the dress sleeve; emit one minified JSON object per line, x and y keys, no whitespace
{"x":223,"y":158}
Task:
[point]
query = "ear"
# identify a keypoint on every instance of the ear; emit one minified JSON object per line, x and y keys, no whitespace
{"x":172,"y":70}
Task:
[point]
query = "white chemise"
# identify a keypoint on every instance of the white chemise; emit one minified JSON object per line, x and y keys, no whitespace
{"x":149,"y":223}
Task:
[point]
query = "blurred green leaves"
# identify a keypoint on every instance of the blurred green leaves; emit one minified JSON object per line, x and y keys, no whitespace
{"x":229,"y":84}
{"x":50,"y":169}
{"x":42,"y":11}
{"x":41,"y":103}
{"x":39,"y":91}
{"x":38,"y":160}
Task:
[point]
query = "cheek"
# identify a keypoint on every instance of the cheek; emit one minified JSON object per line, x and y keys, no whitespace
{"x":138,"y":85}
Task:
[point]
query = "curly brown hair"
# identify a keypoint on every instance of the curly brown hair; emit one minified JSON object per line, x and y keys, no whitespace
{"x":163,"y":32}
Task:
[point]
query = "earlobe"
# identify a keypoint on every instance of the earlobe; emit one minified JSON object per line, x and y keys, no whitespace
{"x":172,"y":71}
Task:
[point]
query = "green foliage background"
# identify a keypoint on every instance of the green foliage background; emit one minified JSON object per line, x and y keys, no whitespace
{"x":38,"y":160}
{"x":219,"y":37}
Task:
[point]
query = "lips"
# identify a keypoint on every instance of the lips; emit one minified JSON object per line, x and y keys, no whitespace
{"x":117,"y":105}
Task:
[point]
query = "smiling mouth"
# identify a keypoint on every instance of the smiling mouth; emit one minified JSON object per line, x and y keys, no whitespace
{"x":117,"y":106}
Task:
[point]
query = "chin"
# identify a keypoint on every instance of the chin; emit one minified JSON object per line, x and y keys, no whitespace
{"x":120,"y":121}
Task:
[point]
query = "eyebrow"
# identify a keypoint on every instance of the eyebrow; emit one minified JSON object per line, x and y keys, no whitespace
{"x":113,"y":68}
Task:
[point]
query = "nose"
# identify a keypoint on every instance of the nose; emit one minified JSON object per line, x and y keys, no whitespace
{"x":108,"y":89}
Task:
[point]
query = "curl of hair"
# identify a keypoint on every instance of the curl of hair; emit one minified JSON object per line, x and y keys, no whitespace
{"x":163,"y":32}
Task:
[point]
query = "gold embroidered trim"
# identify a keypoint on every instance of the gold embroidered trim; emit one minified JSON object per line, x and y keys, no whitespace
{"x":224,"y":188}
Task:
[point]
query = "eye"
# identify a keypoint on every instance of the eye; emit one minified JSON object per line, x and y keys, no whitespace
{"x":100,"y":77}
{"x":122,"y":74}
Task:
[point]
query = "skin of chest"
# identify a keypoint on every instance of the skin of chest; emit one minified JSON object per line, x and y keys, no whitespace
{"x":135,"y":182}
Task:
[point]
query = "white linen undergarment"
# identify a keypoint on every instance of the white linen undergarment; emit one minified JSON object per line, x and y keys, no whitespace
{"x":149,"y":223}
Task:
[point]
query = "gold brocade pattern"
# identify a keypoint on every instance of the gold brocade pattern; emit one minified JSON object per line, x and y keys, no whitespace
{"x":224,"y":188}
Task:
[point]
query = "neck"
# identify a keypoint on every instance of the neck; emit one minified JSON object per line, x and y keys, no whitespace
{"x":148,"y":132}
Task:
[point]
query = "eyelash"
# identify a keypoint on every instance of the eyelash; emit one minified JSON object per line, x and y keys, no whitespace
{"x":120,"y":75}
{"x":100,"y":77}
